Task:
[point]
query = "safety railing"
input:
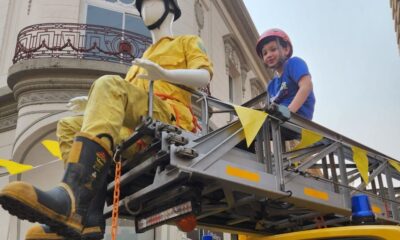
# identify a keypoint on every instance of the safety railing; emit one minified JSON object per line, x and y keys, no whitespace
{"x":348,"y":166}
{"x":79,"y":41}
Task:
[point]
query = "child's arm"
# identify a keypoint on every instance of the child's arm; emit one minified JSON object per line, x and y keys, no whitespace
{"x":305,"y":87}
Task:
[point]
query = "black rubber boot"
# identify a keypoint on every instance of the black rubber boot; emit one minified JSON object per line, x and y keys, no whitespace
{"x":94,"y":226}
{"x":95,"y":223}
{"x":64,"y":208}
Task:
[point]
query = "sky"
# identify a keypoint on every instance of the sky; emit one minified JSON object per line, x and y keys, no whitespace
{"x":351,"y":50}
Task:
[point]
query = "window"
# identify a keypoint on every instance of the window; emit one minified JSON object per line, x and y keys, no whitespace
{"x":231,"y":94}
{"x":135,"y":24}
{"x":236,"y":67}
{"x":231,"y":87}
{"x":104,"y":17}
{"x":122,"y":1}
{"x":116,"y":20}
{"x":126,"y":1}
{"x":112,"y":13}
{"x":256,"y":89}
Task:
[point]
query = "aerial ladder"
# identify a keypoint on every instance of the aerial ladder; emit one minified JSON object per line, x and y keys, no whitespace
{"x":262,"y":189}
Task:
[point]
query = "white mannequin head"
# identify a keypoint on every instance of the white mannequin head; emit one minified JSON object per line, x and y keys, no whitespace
{"x":152,"y":11}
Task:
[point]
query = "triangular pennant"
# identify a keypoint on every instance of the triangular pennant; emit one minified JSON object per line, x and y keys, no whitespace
{"x":251,"y":120}
{"x":308,"y":138}
{"x":361,"y":160}
{"x":53,"y":147}
{"x":395,"y":164}
{"x":14,"y":167}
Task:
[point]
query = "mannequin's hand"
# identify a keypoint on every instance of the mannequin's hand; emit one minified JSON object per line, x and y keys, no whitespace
{"x":154,"y":71}
{"x":77,"y":104}
{"x":192,"y":78}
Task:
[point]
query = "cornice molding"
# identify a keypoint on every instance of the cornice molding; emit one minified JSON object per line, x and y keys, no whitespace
{"x":9,"y":109}
{"x":8,"y":112}
{"x":240,"y":24}
{"x":42,"y":81}
{"x":395,"y":4}
{"x":61,"y":71}
{"x":21,"y":88}
{"x":47,"y":97}
{"x":8,"y":123}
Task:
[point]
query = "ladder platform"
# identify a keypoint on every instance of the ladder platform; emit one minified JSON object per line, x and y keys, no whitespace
{"x":234,"y":188}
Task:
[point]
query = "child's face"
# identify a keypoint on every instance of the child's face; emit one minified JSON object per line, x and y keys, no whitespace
{"x":272,"y":57}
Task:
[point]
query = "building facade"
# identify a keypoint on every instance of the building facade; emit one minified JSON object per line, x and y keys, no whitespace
{"x":395,"y":4}
{"x":52,"y":51}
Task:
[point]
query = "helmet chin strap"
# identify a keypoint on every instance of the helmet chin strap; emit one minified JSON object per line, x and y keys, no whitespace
{"x":158,"y":23}
{"x":282,"y":58}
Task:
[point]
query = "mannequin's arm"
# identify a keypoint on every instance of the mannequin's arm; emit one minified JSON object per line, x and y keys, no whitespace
{"x":193,"y":78}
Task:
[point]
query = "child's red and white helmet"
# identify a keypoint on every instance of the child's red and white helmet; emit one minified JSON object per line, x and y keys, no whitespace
{"x":273,"y":32}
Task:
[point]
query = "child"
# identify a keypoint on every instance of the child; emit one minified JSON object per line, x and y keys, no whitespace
{"x":291,"y":85}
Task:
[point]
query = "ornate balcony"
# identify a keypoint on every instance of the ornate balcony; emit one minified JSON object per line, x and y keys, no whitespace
{"x":79,"y":41}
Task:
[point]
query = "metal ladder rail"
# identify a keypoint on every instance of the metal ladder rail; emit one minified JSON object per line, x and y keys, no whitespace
{"x":344,"y":154}
{"x":341,"y":165}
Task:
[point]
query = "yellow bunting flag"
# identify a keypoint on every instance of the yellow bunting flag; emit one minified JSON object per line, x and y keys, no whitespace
{"x":395,"y":164}
{"x":308,"y":138}
{"x":361,"y":160}
{"x":14,"y":167}
{"x":251,"y":120}
{"x":53,"y":147}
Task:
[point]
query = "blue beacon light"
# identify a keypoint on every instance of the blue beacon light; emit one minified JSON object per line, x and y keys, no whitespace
{"x":207,"y":237}
{"x":361,"y":210}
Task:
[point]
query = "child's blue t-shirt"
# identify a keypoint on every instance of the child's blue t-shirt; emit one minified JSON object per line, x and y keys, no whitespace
{"x":283,"y":89}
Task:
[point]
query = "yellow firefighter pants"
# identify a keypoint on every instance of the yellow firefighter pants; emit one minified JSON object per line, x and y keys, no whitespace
{"x":114,"y":102}
{"x":69,"y":126}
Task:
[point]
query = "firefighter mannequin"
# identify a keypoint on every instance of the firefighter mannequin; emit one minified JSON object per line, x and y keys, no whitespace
{"x":112,"y":103}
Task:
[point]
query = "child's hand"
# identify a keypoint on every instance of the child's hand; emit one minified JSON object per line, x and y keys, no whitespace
{"x":272,"y":108}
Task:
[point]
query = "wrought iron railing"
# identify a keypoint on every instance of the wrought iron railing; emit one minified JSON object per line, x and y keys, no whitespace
{"x":80,"y":41}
